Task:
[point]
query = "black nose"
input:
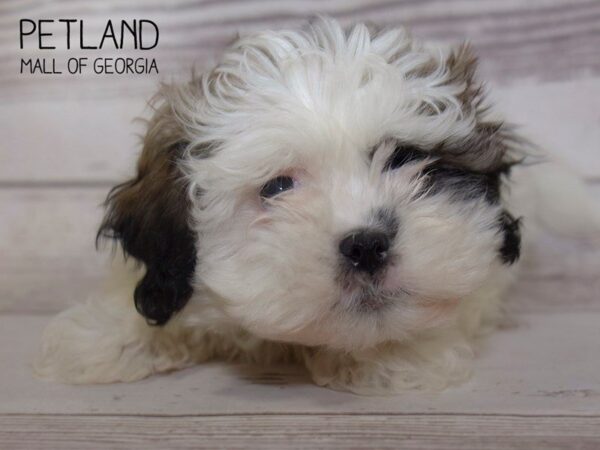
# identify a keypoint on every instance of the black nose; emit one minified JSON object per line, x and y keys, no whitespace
{"x":366,"y":250}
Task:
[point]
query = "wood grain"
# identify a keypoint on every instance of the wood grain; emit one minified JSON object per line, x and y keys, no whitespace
{"x":539,"y":364}
{"x":47,"y":246}
{"x":93,"y":141}
{"x":69,"y":141}
{"x":543,"y":39}
{"x":459,"y":432}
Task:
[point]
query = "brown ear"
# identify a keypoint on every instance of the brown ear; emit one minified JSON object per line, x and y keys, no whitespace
{"x":149,"y":216}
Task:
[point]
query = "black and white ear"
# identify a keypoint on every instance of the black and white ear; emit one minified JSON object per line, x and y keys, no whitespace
{"x":492,"y":148}
{"x":149,"y":216}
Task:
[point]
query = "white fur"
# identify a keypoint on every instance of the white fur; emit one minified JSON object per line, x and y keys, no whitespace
{"x":312,"y":104}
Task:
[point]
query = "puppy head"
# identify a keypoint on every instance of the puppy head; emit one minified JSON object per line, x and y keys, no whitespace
{"x":340,"y":188}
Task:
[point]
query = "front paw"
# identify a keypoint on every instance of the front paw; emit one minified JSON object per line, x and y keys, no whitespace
{"x":392,"y":367}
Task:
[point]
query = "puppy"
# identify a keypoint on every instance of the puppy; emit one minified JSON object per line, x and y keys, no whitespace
{"x":332,"y":197}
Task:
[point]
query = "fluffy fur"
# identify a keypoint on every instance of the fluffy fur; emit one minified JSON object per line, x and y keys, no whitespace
{"x":377,"y":131}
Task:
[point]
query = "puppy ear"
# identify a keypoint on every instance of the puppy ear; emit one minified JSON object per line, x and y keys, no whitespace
{"x":149,"y":216}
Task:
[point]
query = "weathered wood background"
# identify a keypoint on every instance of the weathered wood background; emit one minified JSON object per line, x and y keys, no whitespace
{"x":66,"y":139}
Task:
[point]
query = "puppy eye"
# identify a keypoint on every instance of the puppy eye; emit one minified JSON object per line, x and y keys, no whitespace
{"x":404,"y":154}
{"x":276,"y":186}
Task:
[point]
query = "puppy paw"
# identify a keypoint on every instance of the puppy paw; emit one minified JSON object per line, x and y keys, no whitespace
{"x":393,"y":368}
{"x":102,"y":342}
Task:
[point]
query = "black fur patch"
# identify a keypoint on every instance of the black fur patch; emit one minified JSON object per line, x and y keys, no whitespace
{"x":149,"y":217}
{"x":510,"y":251}
{"x":462,"y":183}
{"x":467,"y":185}
{"x":404,"y":154}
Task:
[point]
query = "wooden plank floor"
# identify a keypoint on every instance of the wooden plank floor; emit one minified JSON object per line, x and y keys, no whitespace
{"x":357,"y":431}
{"x":65,"y":141}
{"x":544,"y":364}
{"x":536,"y":386}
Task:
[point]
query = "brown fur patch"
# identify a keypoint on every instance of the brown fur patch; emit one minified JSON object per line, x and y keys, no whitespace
{"x":149,"y":216}
{"x":462,"y":66}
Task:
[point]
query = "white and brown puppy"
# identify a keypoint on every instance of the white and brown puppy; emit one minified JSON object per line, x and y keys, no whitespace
{"x":326,"y":196}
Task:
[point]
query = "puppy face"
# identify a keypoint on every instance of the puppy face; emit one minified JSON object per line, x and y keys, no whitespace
{"x":340,"y":188}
